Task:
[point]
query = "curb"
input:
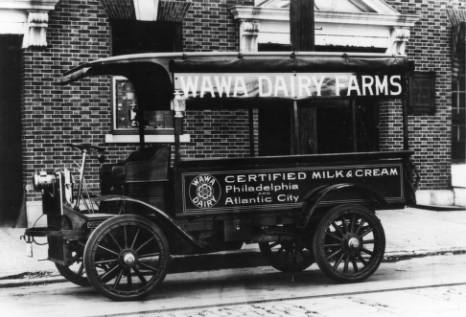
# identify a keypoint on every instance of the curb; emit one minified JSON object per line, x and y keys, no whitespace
{"x":406,"y":255}
{"x":440,"y":208}
{"x":219,"y":261}
{"x":12,"y":282}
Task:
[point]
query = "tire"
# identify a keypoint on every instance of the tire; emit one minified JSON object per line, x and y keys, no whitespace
{"x":287,"y":256}
{"x":349,"y":243}
{"x":126,"y":257}
{"x":71,"y":275}
{"x":74,"y":272}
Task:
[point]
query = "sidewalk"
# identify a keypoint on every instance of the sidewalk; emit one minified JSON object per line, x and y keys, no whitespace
{"x":409,"y":232}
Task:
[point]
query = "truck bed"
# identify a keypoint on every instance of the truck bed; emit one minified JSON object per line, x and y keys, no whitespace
{"x":284,"y":182}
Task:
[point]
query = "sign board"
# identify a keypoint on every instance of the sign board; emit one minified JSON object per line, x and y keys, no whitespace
{"x":233,"y":190}
{"x":287,"y":85}
{"x":422,"y":93}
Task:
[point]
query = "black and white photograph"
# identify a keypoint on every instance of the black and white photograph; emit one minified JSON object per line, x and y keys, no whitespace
{"x":232,"y":158}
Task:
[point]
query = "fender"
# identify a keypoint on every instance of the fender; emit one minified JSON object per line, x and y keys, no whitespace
{"x":165,"y":219}
{"x":314,"y":198}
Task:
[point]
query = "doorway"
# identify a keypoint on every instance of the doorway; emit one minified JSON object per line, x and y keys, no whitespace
{"x":11,"y":186}
{"x":275,"y":134}
{"x":321,"y":126}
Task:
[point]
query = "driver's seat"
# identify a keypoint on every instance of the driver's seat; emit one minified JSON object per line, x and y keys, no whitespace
{"x":143,"y":175}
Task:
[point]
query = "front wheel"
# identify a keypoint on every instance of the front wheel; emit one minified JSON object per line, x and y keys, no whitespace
{"x":349,"y":243}
{"x":126,"y":257}
{"x":75,"y":272}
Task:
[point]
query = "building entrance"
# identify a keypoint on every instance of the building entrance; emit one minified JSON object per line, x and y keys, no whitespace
{"x":11,"y":187}
{"x":321,"y":126}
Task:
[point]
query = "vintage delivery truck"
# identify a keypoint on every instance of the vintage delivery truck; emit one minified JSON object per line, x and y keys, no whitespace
{"x":299,"y":208}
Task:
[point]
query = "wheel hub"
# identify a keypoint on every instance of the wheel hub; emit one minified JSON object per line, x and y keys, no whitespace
{"x":129,"y":259}
{"x":354,"y":243}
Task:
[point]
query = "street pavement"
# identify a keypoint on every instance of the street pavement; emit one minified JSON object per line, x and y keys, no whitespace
{"x":409,"y":232}
{"x":430,"y":286}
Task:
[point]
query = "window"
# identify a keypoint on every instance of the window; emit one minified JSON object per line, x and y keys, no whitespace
{"x":145,"y":36}
{"x":458,"y":129}
{"x":130,"y":37}
{"x":124,"y":103}
{"x":458,"y":94}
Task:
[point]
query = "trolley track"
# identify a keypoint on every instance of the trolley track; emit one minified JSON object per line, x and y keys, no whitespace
{"x":282,"y":299}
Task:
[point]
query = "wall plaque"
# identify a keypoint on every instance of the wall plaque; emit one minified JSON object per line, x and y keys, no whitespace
{"x":422,"y":93}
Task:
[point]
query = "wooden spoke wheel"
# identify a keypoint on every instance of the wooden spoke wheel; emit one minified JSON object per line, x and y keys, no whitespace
{"x":288,"y":255}
{"x":126,"y":257}
{"x":74,"y":272}
{"x":349,"y":243}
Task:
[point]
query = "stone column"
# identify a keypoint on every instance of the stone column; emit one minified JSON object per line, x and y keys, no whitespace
{"x":35,"y":33}
{"x":397,"y":42}
{"x":248,"y":32}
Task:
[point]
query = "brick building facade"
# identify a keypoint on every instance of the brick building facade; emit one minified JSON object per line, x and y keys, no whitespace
{"x":79,"y":31}
{"x":56,"y":115}
{"x":429,"y":48}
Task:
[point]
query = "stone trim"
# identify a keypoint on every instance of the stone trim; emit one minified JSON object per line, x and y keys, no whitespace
{"x":28,"y":18}
{"x":134,"y":138}
{"x":147,"y":10}
{"x":387,"y":30}
{"x":248,"y":32}
{"x":398,"y":40}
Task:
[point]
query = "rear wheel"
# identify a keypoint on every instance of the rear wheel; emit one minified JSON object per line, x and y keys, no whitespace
{"x":287,"y":255}
{"x":349,"y":243}
{"x":126,"y":257}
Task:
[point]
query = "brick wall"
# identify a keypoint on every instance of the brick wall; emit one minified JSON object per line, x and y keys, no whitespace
{"x":55,"y":115}
{"x":390,"y":125}
{"x":429,"y":48}
{"x":209,"y":26}
{"x":217,"y":134}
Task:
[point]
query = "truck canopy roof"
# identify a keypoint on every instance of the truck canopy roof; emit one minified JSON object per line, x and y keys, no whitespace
{"x":152,"y":73}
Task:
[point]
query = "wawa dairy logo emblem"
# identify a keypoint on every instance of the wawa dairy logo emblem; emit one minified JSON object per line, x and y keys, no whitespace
{"x":205,"y":191}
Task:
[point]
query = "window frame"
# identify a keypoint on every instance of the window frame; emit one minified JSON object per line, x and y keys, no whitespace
{"x":458,"y":111}
{"x":122,"y":135}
